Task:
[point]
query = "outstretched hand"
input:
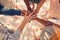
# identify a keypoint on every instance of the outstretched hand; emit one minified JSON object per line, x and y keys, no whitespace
{"x":29,"y":17}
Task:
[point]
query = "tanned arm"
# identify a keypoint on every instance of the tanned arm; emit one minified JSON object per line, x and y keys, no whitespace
{"x":28,"y":5}
{"x":26,"y":20}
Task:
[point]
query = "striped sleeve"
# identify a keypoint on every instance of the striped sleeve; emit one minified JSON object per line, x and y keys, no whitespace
{"x":15,"y":35}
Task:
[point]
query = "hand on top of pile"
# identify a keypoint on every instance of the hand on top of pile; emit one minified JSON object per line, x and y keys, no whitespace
{"x":24,"y":12}
{"x":29,"y":16}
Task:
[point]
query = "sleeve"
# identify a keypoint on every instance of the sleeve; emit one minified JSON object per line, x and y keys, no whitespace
{"x":1,"y":8}
{"x":47,"y":33}
{"x":15,"y":35}
{"x":11,"y":12}
{"x":6,"y":34}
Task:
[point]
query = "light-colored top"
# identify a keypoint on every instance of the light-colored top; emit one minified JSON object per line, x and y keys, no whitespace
{"x":7,"y":34}
{"x":47,"y":33}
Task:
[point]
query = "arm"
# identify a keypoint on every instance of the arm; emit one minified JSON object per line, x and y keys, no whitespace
{"x":16,"y":34}
{"x":28,"y":5}
{"x":43,"y":22}
{"x":21,"y":27}
{"x":26,"y":20}
{"x":46,"y":23}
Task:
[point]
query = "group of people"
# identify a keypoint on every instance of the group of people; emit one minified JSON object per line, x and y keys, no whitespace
{"x":28,"y":16}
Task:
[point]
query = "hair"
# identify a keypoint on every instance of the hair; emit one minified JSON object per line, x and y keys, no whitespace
{"x":56,"y":35}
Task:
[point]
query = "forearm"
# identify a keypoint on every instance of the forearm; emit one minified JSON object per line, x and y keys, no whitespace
{"x":28,"y":5}
{"x":21,"y":27}
{"x":46,"y":23}
{"x":43,"y":22}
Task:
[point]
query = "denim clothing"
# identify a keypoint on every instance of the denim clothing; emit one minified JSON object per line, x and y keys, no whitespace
{"x":8,"y":34}
{"x":5,"y":11}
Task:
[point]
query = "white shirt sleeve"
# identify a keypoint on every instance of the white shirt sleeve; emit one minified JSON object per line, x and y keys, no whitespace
{"x":8,"y":34}
{"x":15,"y":35}
{"x":47,"y":33}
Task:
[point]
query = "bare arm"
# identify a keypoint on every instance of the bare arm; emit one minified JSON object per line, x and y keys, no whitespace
{"x":26,"y":20}
{"x":41,"y":21}
{"x":46,"y":23}
{"x":28,"y":5}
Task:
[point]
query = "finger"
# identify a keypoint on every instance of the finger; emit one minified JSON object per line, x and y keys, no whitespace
{"x":34,"y":15}
{"x":30,"y":13}
{"x":33,"y":18}
{"x":23,"y":13}
{"x":26,"y":13}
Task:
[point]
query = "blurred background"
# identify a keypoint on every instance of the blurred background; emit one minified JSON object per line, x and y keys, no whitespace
{"x":14,"y":21}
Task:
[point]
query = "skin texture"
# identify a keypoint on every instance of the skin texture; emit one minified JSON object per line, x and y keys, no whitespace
{"x":54,"y":9}
{"x":54,"y":6}
{"x":28,"y":5}
{"x":26,"y":20}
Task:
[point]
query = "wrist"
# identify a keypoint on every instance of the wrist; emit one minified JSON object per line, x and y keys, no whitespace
{"x":22,"y":25}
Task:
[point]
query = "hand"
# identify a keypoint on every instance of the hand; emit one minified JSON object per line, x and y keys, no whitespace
{"x":24,"y":12}
{"x":29,"y":17}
